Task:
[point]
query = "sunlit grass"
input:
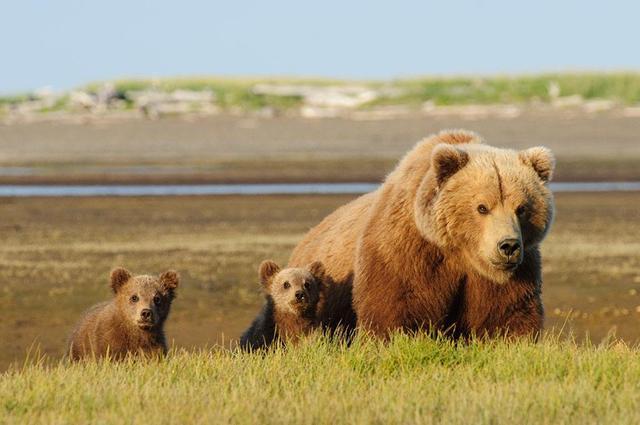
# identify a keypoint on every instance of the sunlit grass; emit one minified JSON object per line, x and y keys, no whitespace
{"x":409,"y":380}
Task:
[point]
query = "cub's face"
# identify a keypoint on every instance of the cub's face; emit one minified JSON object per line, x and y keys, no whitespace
{"x":491,"y":205}
{"x":145,"y":300}
{"x":294,"y":290}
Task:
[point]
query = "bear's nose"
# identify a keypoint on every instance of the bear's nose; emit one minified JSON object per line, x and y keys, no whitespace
{"x":509,"y":247}
{"x":146,"y":314}
{"x":299,"y":295}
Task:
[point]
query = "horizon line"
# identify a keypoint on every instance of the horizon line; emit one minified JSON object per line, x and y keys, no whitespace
{"x":326,"y":78}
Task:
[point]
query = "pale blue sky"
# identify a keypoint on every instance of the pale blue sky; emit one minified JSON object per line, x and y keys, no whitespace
{"x":66,"y":43}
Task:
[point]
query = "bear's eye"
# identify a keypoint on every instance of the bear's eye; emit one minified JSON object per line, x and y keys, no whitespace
{"x":287,"y":285}
{"x":134,"y":298}
{"x":306,"y":285}
{"x":156,"y":300}
{"x":521,"y":210}
{"x":482,"y":209}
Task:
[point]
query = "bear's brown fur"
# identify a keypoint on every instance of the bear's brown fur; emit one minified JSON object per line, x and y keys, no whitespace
{"x":132,"y":322}
{"x":294,"y":302}
{"x":450,"y":240}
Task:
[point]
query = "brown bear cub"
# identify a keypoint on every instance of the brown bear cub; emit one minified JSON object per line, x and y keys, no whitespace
{"x":132,"y":322}
{"x":294,"y":301}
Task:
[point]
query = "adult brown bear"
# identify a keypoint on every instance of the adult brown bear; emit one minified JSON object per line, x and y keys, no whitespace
{"x":450,"y":241}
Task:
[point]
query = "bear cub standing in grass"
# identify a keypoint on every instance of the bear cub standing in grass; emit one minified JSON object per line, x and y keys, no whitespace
{"x":294,"y":300}
{"x":132,"y":322}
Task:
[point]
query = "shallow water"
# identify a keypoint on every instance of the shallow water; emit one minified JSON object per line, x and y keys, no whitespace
{"x":257,"y":189}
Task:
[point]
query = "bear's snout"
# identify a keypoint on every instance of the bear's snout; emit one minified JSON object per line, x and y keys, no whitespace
{"x":300,"y":295}
{"x":146,"y":319}
{"x":510,"y":250}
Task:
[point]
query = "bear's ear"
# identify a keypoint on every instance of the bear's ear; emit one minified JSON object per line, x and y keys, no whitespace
{"x":267,"y":270}
{"x":541,"y":160}
{"x":447,"y":160}
{"x":119,"y":276}
{"x":170,"y":280}
{"x":317,"y":270}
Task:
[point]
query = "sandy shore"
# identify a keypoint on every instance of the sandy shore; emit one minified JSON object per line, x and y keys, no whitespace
{"x":234,"y":149}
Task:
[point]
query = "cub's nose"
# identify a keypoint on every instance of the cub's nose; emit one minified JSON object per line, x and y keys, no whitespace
{"x":509,"y":247}
{"x":299,"y":295}
{"x":146,"y":314}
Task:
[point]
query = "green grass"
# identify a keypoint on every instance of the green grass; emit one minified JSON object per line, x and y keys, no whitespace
{"x":208,"y":83}
{"x":60,"y":104}
{"x":10,"y":100}
{"x":230,"y":92}
{"x":623,"y":87}
{"x":409,"y":380}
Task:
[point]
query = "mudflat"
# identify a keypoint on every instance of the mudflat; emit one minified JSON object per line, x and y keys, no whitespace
{"x":57,"y":253}
{"x":227,"y":148}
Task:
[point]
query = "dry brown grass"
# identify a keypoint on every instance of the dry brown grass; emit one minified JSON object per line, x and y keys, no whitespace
{"x":57,"y":253}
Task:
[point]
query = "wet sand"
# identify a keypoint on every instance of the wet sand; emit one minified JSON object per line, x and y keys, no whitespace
{"x":235,"y":149}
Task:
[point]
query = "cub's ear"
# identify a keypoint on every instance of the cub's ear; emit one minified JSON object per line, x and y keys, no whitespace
{"x":267,"y":270}
{"x":170,"y":280}
{"x":119,"y":276}
{"x":447,"y":160}
{"x":317,"y":270}
{"x":541,"y":160}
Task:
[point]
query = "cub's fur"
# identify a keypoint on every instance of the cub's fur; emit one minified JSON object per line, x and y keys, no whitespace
{"x":132,"y":322}
{"x":294,"y":300}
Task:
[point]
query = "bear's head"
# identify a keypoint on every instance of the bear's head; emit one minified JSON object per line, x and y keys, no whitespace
{"x":296,"y":290}
{"x":144,"y":300}
{"x":488,"y":205}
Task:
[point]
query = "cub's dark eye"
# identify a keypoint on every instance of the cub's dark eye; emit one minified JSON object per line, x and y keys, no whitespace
{"x":157,"y":300}
{"x":134,"y":298}
{"x":521,"y":210}
{"x":287,"y":285}
{"x":482,"y":209}
{"x":306,"y":285}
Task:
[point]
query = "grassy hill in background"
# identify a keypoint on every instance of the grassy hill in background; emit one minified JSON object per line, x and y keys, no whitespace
{"x":238,"y":130}
{"x":622,"y":87}
{"x":256,"y":93}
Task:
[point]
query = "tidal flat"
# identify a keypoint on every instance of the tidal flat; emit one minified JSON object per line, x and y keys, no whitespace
{"x":57,"y":253}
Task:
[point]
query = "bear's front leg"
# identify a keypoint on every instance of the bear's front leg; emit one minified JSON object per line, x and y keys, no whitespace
{"x":511,"y":310}
{"x":377,"y":320}
{"x":522,"y":319}
{"x":525,"y":319}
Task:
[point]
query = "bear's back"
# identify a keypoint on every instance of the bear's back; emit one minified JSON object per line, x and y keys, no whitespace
{"x":334,"y":239}
{"x":85,"y":337}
